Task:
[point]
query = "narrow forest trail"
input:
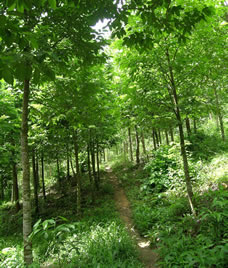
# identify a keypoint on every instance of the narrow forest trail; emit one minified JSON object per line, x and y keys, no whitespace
{"x":147,"y":256}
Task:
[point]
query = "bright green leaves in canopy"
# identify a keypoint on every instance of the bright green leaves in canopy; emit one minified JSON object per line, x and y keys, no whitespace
{"x":147,"y":21}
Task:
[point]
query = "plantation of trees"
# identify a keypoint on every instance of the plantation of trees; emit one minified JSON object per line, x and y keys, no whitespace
{"x":113,"y":140}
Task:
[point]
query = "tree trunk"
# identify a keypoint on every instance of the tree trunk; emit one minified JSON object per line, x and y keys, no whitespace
{"x":194,"y":124}
{"x":137,"y":146}
{"x":90,"y":174}
{"x":156,"y":136}
{"x":154,"y":140}
{"x":130,"y":144}
{"x":219,"y":114}
{"x":143,"y":143}
{"x":42,"y":175}
{"x":181,"y":133}
{"x":37,"y":172}
{"x":171,"y":134}
{"x":188,"y":127}
{"x":68,"y":163}
{"x":2,"y":190}
{"x":35,"y":184}
{"x":104,"y":154}
{"x":15,"y":186}
{"x":167,"y":137}
{"x":58,"y":171}
{"x":78,"y":175}
{"x":98,"y":163}
{"x":159,"y":136}
{"x":27,"y":212}
{"x":94,"y":165}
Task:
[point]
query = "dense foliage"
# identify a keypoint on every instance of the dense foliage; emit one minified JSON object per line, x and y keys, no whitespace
{"x":152,"y":94}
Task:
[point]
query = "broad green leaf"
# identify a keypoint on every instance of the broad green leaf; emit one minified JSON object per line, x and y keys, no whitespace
{"x":7,"y":76}
{"x":52,"y":3}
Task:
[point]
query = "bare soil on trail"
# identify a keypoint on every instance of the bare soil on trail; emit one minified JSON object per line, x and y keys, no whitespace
{"x":147,"y":256}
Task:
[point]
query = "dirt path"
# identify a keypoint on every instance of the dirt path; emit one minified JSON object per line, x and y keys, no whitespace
{"x":147,"y":256}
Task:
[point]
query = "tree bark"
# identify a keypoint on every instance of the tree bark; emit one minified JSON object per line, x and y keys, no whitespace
{"x":194,"y":124}
{"x":171,"y":134}
{"x":104,"y":154}
{"x":2,"y":190}
{"x":159,"y":136}
{"x":78,"y":175}
{"x":42,"y":175}
{"x":181,"y":134}
{"x":15,"y":186}
{"x":156,"y":137}
{"x":35,"y":184}
{"x":137,"y":146}
{"x":98,"y":163}
{"x":27,"y":212}
{"x":188,"y":126}
{"x":130,"y":144}
{"x":37,"y":172}
{"x":167,"y":137}
{"x":58,"y":171}
{"x":94,"y":165}
{"x":68,"y":163}
{"x":154,"y":140}
{"x":90,"y":174}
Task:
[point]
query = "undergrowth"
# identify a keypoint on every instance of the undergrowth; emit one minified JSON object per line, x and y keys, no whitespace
{"x":97,"y":239}
{"x":161,"y":211}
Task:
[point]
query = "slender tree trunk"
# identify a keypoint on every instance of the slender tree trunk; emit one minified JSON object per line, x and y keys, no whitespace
{"x":167,"y":137}
{"x":90,"y":173}
{"x":68,"y":163}
{"x":2,"y":190}
{"x":159,"y":136}
{"x":27,"y":212}
{"x":76,"y":152}
{"x":171,"y":134}
{"x":98,"y":163}
{"x":35,"y":185}
{"x":137,"y":146}
{"x":42,"y":175}
{"x":181,"y":133}
{"x":58,"y":171}
{"x":219,"y":114}
{"x":37,"y":172}
{"x":143,"y":145}
{"x":15,"y":186}
{"x":194,"y":124}
{"x":156,"y":136}
{"x":154,"y":140}
{"x":130,"y":144}
{"x":94,"y":165}
{"x":188,"y":127}
{"x":104,"y":155}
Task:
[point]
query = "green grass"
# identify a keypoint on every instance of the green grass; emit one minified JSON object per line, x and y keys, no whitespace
{"x":97,"y":239}
{"x":163,"y":215}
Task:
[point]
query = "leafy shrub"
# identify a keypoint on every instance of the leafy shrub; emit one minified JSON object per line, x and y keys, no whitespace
{"x":205,"y":145}
{"x":164,"y":170}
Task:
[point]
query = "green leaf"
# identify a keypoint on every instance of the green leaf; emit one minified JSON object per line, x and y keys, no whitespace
{"x":52,"y":3}
{"x":36,"y":76}
{"x":7,"y":76}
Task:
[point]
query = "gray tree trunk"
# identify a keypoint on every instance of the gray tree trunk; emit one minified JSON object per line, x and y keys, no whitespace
{"x":173,"y":94}
{"x":27,"y":211}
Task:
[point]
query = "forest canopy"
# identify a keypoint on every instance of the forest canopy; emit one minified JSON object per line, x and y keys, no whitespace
{"x":149,"y":100}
